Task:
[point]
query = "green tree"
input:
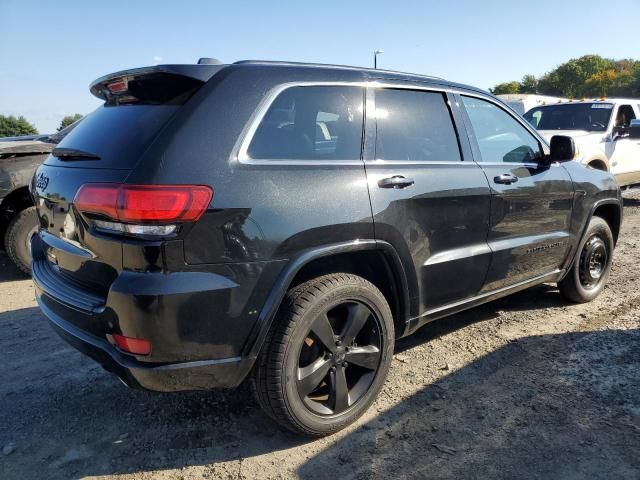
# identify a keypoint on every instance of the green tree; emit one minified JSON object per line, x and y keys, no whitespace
{"x":627,"y":83}
{"x":635,"y":84}
{"x":599,"y":84}
{"x":68,"y":120}
{"x":529,"y":84}
{"x":584,"y":76}
{"x":11,"y":126}
{"x":505,"y":88}
{"x":569,"y":79}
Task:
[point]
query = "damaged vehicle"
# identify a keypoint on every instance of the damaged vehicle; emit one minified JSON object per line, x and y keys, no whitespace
{"x":19,"y":159}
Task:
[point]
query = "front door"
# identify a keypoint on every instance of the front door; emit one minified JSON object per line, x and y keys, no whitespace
{"x":624,"y":152}
{"x":429,"y":199}
{"x":531,"y":201}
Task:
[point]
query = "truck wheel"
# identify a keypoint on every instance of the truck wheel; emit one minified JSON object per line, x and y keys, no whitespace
{"x":590,"y":270}
{"x":17,"y":239}
{"x":327,"y":355}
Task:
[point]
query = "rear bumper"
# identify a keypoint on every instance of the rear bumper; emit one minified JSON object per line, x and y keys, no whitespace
{"x":165,"y":377}
{"x":197,"y":321}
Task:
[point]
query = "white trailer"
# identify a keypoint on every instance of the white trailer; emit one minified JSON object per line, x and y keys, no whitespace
{"x":522,"y":103}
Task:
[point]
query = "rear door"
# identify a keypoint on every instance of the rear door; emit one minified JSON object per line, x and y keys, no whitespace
{"x":531,"y":201}
{"x":429,"y":200}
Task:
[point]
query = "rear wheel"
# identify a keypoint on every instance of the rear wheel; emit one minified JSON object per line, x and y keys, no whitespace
{"x":591,"y":267}
{"x":18,"y":237}
{"x":327,"y":355}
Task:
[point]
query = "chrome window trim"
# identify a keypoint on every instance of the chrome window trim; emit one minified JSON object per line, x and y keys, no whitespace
{"x":389,"y":163}
{"x":240,"y":151}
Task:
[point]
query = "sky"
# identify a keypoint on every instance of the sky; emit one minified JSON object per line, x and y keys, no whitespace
{"x":50,"y":51}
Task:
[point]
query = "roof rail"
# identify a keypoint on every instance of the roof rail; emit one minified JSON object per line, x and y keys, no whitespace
{"x":328,"y":65}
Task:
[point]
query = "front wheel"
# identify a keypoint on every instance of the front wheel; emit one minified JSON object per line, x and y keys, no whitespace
{"x":327,"y":355}
{"x":590,"y":270}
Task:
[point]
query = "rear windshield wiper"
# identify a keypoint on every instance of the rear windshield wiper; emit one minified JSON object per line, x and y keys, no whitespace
{"x":74,"y":154}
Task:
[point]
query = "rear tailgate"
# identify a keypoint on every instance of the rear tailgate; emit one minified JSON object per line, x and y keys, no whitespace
{"x":66,"y":256}
{"x":73,"y":262}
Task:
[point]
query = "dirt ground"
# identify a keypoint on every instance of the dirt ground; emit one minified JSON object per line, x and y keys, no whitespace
{"x":525,"y":387}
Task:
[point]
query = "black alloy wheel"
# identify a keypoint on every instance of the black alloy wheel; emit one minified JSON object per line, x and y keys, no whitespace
{"x":327,"y":354}
{"x":339,"y":358}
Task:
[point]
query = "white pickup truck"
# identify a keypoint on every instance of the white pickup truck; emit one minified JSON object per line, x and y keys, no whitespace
{"x":602,"y":130}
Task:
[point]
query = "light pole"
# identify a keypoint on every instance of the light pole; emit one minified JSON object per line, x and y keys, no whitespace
{"x":375,"y":57}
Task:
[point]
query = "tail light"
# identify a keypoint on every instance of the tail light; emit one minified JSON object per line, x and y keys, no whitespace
{"x":142,"y":209}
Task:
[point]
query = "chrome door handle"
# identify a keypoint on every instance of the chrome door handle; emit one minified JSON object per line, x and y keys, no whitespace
{"x":505,"y":179}
{"x":397,"y":181}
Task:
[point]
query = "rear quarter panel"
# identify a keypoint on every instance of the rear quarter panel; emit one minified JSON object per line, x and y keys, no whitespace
{"x":262,"y":215}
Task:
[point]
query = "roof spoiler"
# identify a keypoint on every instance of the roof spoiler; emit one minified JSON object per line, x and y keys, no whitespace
{"x":201,"y":72}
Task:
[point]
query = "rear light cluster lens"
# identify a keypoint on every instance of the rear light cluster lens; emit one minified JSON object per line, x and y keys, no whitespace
{"x":136,"y":346}
{"x":143,"y":209}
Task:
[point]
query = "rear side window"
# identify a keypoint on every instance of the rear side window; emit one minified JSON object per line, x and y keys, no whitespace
{"x":311,"y":123}
{"x":501,"y":138}
{"x":414,"y":125}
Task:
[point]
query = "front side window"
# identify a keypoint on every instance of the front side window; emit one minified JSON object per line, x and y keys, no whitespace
{"x":414,"y":125}
{"x":624,"y":116}
{"x":311,"y":123}
{"x":501,"y":138}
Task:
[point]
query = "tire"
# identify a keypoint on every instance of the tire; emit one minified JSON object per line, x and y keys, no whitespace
{"x":294,"y":356}
{"x":17,"y":238}
{"x":586,"y":280}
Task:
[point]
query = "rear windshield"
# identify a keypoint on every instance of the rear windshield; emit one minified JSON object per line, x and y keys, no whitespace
{"x":137,"y":105}
{"x":592,"y":117}
{"x":117,"y":134}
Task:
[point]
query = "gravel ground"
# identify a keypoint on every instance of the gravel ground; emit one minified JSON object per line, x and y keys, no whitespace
{"x":528,"y":386}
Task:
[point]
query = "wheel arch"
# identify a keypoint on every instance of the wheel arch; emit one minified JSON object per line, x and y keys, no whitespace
{"x":610,"y":212}
{"x":598,"y":162}
{"x":362,"y":257}
{"x":17,"y":200}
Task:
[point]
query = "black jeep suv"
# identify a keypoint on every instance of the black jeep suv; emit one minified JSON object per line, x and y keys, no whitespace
{"x":285,"y":223}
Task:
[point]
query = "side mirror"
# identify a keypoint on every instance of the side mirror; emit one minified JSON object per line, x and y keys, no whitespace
{"x":563,"y":149}
{"x":634,"y":129}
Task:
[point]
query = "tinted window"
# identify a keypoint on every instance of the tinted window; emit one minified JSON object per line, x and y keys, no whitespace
{"x":591,"y":117}
{"x":414,"y":125}
{"x":624,"y":116}
{"x":501,"y":138}
{"x":119,"y":135}
{"x":311,"y":123}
